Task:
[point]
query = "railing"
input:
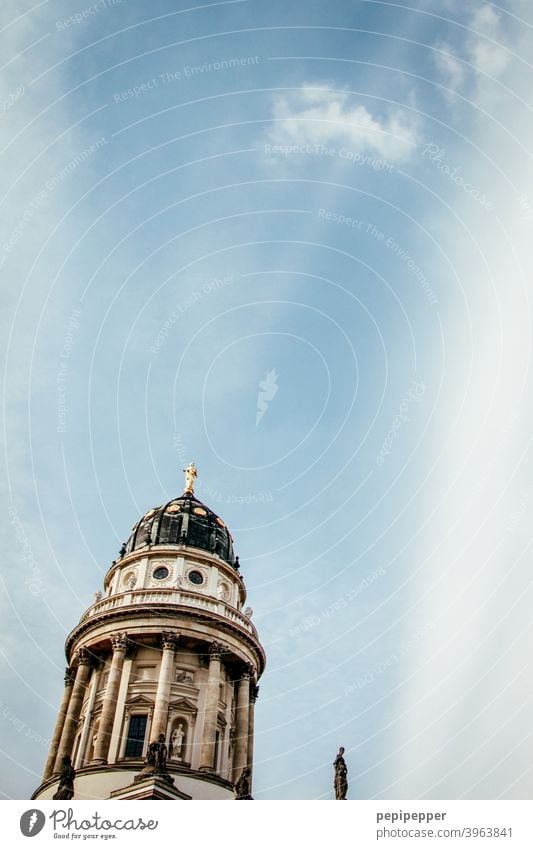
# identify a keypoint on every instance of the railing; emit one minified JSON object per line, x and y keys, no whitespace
{"x":170,"y":596}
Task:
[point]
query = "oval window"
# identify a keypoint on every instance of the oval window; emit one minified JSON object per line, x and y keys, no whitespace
{"x":160,"y":573}
{"x":195,"y":577}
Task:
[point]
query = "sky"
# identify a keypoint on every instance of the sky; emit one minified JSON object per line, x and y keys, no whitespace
{"x":293,"y":243}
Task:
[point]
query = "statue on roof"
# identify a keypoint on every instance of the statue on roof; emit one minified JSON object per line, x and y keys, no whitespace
{"x":191,"y":473}
{"x":65,"y":788}
{"x":242,"y":787}
{"x":341,"y":775}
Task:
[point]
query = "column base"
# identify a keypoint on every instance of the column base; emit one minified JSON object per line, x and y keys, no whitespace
{"x":98,"y":762}
{"x":206,"y":769}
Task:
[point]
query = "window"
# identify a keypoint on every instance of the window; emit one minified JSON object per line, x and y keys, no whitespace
{"x":136,"y":733}
{"x":195,"y":577}
{"x":161,"y":573}
{"x":217,"y":751}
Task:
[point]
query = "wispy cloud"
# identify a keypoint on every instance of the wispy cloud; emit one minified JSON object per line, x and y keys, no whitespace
{"x":318,"y":114}
{"x":480,"y":53}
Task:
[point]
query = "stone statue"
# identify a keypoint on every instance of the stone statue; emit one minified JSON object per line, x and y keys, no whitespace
{"x":242,"y":787}
{"x":176,"y":743}
{"x":161,"y":755}
{"x":156,"y":756}
{"x":151,"y":757}
{"x":191,"y":473}
{"x":341,"y":775}
{"x":97,"y":596}
{"x":65,"y":789}
{"x":156,"y":761}
{"x":132,"y":580}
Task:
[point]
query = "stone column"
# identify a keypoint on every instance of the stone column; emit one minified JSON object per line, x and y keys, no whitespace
{"x":162,"y":698}
{"x":119,"y":712}
{"x":124,"y":735}
{"x":207,"y":755}
{"x":254,"y":692}
{"x":58,"y":730}
{"x":82,"y":750}
{"x":74,"y":708}
{"x":119,"y":644}
{"x":242,"y":719}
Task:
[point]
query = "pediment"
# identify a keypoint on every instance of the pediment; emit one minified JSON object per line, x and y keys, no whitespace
{"x":183,"y":704}
{"x":140,"y":701}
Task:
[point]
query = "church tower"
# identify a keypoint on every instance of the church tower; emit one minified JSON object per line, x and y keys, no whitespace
{"x":168,"y":654}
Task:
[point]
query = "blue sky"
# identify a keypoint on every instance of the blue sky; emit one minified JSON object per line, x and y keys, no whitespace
{"x":333,"y":201}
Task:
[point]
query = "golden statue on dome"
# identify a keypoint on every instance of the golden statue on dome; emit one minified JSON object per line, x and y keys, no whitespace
{"x":191,"y":473}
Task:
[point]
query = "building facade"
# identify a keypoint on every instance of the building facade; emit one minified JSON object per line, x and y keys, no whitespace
{"x":167,"y":649}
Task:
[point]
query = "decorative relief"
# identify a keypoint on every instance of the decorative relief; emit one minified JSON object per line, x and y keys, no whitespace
{"x":223,"y":591}
{"x":183,"y":676}
{"x":129,"y":578}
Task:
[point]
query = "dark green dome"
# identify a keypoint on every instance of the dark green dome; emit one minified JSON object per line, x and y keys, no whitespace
{"x":183,"y":521}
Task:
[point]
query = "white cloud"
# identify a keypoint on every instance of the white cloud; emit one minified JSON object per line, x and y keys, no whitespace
{"x":488,"y":58}
{"x":486,"y":20}
{"x":452,"y":70}
{"x":482,"y":48}
{"x":316,"y":114}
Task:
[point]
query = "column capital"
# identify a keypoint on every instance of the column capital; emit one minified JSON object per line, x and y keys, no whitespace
{"x":70,"y":675}
{"x":119,"y":642}
{"x":247,"y":671}
{"x":83,"y":657}
{"x":254,"y":692}
{"x":169,"y":639}
{"x":216,"y":650}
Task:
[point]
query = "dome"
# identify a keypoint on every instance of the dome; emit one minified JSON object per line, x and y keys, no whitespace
{"x":183,"y":521}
